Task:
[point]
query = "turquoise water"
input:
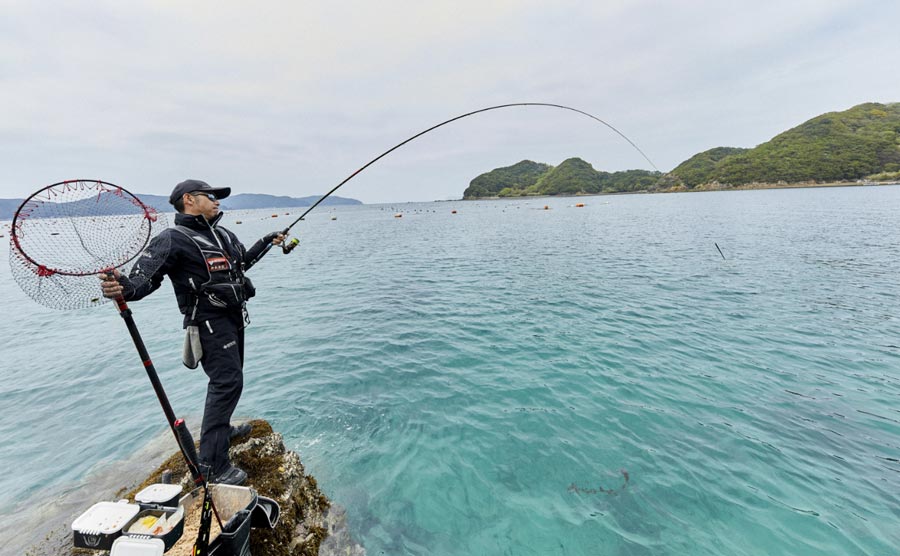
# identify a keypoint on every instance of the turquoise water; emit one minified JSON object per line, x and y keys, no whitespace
{"x":511,"y":380}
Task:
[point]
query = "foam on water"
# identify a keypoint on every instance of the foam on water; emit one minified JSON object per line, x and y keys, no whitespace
{"x":509,"y":380}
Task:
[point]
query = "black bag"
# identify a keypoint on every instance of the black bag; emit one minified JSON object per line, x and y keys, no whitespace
{"x":249,"y":290}
{"x":225,"y":295}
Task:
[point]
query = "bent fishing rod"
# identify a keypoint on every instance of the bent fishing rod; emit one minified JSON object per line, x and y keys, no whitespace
{"x":287,"y":247}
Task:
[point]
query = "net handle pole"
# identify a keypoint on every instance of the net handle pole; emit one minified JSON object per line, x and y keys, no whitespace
{"x":182,"y":436}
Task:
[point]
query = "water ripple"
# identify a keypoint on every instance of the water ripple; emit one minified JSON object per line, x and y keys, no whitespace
{"x":481,"y":383}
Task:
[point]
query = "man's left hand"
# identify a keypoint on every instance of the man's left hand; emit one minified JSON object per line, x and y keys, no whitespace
{"x":109,"y":283}
{"x":278,"y":239}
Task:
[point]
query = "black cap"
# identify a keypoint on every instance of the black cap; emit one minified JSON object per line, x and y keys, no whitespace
{"x":189,"y":186}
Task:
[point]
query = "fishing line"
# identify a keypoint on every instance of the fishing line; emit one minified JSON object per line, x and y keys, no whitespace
{"x":466,"y":115}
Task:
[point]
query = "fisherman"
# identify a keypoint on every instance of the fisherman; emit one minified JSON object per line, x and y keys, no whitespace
{"x":206,"y":264}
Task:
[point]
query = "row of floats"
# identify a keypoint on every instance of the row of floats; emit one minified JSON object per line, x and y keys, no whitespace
{"x":400,"y":214}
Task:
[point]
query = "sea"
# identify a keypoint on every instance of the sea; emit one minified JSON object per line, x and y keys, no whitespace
{"x":687,"y":374}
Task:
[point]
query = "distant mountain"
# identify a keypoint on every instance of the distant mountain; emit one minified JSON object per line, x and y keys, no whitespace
{"x":244,"y":201}
{"x":8,"y":208}
{"x":247,"y":201}
{"x":241,"y":201}
{"x":860,"y":143}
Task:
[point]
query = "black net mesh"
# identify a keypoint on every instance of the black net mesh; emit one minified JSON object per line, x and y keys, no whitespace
{"x":66,"y":234}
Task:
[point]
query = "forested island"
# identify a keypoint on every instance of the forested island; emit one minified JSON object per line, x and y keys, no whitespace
{"x":859,"y":145}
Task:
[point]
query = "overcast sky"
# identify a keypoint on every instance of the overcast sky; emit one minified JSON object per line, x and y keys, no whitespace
{"x":289,"y":98}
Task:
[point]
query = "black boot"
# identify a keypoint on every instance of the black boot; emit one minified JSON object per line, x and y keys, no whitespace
{"x":240,"y":430}
{"x":231,"y":475}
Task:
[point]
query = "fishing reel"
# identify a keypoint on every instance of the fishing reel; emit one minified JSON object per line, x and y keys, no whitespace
{"x":289,"y":246}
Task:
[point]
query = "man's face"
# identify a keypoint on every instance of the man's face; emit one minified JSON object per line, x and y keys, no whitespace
{"x":201,"y":202}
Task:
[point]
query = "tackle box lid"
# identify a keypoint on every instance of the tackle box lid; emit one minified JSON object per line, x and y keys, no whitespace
{"x":105,"y":518}
{"x":158,"y":493}
{"x":137,"y":546}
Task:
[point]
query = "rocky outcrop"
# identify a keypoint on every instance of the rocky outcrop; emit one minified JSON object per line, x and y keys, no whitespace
{"x":307,"y":516}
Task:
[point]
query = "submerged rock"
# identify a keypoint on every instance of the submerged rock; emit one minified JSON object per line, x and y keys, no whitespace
{"x":274,"y":472}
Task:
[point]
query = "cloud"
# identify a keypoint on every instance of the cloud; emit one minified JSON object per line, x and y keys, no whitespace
{"x":303,"y":94}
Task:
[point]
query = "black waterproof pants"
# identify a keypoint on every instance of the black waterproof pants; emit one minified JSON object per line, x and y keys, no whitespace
{"x":222,"y":339}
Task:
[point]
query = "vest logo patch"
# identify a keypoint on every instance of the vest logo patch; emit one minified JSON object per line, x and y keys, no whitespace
{"x":229,"y":344}
{"x":217,"y":264}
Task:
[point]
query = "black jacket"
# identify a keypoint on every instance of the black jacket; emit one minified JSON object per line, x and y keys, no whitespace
{"x":187,"y":267}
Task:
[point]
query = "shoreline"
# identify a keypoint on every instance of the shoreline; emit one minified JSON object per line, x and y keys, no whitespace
{"x":700,"y":188}
{"x":754,"y":186}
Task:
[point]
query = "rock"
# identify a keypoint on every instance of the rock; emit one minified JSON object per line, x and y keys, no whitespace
{"x":339,"y":542}
{"x":307,"y":516}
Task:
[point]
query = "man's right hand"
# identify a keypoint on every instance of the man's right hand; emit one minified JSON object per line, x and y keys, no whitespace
{"x":109,"y":283}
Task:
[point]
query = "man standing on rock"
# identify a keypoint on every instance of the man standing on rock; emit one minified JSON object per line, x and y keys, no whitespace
{"x":206,"y":264}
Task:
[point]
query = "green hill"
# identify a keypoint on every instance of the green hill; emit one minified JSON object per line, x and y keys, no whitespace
{"x":572,"y":177}
{"x":699,"y":168}
{"x":838,"y":146}
{"x":518,"y":176}
{"x":862,"y":143}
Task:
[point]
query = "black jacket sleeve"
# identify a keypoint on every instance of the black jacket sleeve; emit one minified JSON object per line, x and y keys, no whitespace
{"x":252,"y":256}
{"x":149,"y":270}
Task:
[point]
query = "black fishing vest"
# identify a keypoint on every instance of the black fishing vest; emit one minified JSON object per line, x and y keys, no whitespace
{"x":227,"y":288}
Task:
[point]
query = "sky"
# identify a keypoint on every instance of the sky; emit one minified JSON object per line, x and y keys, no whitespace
{"x":290,"y":98}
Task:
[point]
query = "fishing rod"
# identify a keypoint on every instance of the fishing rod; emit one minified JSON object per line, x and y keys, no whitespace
{"x":287,"y":247}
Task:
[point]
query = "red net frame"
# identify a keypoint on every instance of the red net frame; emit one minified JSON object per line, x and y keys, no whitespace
{"x":67,"y":233}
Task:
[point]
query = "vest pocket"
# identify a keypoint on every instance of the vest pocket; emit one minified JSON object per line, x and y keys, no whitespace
{"x":228,"y":295}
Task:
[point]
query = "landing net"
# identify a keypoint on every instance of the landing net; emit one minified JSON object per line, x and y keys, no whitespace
{"x":67,"y":233}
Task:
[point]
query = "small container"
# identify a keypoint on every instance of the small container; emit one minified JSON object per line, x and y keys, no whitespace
{"x":169,"y":537}
{"x":234,"y":540}
{"x":159,"y":494}
{"x":240,"y":509}
{"x":235,"y":505}
{"x":137,"y":546}
{"x":102,"y":524}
